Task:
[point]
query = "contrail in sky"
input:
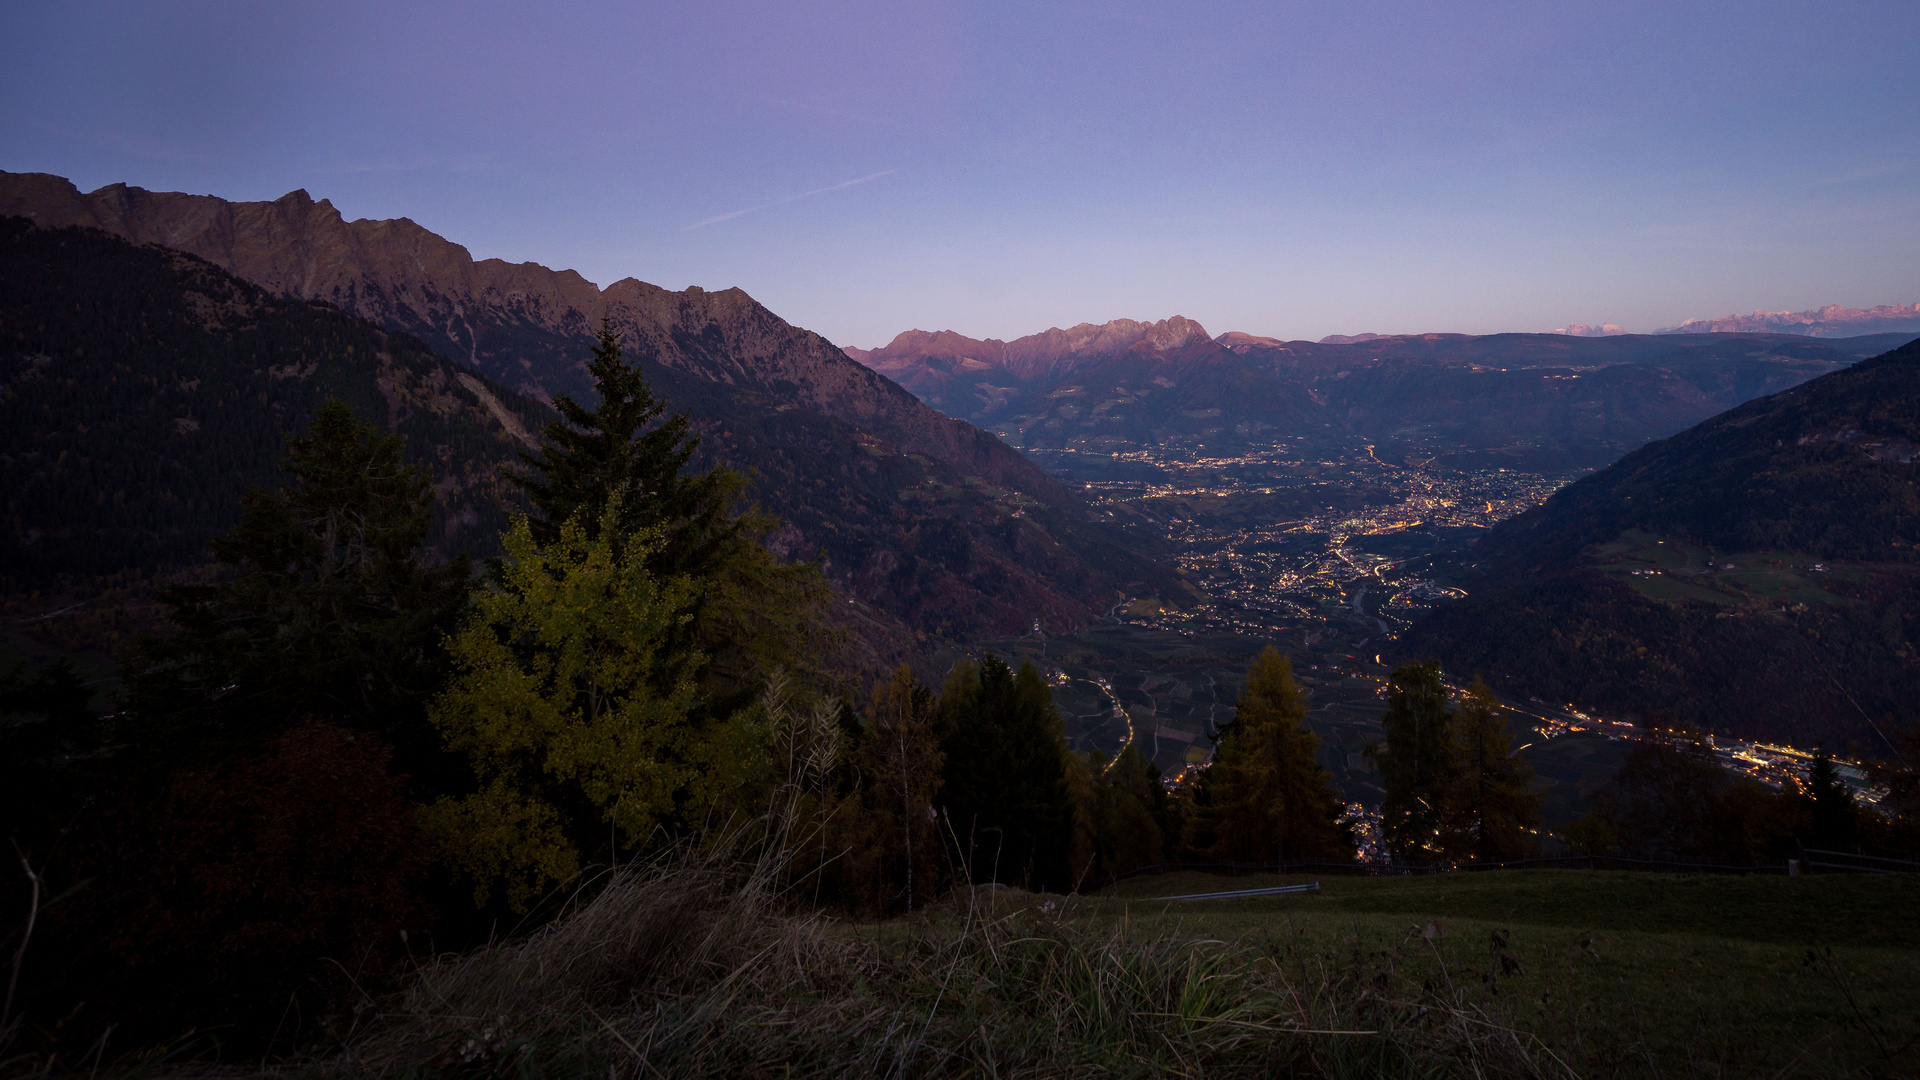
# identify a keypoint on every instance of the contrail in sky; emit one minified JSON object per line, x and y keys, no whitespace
{"x":788,"y":199}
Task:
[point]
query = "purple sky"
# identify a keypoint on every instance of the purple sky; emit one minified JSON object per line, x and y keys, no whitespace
{"x":996,"y":168}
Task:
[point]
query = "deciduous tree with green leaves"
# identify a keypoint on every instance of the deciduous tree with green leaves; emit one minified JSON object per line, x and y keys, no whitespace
{"x":578,"y":703}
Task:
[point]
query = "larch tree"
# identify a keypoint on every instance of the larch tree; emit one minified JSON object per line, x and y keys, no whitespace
{"x":1265,"y":796}
{"x":900,"y":762}
{"x":1131,"y":813}
{"x":1494,"y":811}
{"x":579,"y":707}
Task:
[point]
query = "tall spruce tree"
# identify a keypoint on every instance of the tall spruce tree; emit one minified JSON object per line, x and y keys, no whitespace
{"x":1004,"y":788}
{"x":1494,"y":810}
{"x":627,"y":446}
{"x":1265,"y":796}
{"x":751,"y":614}
{"x":1133,"y":820}
{"x":1417,"y":763}
{"x":1831,"y":813}
{"x":900,"y":762}
{"x":331,"y":610}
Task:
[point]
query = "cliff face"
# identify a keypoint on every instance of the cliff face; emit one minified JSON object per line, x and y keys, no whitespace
{"x":943,"y":529}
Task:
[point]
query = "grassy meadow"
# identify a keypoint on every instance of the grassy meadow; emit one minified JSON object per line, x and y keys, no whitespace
{"x":690,"y":970}
{"x":1615,"y":973}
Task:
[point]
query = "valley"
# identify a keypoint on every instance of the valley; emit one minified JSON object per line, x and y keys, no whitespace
{"x":1333,"y":557}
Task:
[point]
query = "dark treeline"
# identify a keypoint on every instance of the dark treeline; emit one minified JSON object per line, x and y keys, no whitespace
{"x":1458,"y":793}
{"x":1672,"y":799}
{"x":348,"y":751}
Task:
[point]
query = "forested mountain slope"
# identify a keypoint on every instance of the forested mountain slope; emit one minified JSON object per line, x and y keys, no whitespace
{"x":1757,"y":573}
{"x":143,"y":390}
{"x":941,"y":528}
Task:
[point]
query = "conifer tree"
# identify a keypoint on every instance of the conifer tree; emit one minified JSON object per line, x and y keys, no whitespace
{"x":751,"y":615}
{"x":579,"y":709}
{"x":1831,"y":813}
{"x":1494,"y":810}
{"x":628,"y":447}
{"x":900,"y":763}
{"x":1131,"y":813}
{"x":1265,"y":796}
{"x":331,"y":612}
{"x":1417,"y":763}
{"x":1005,"y":790}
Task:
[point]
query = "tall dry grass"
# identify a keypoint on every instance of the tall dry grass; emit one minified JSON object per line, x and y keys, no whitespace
{"x":699,"y":965}
{"x":680,"y":970}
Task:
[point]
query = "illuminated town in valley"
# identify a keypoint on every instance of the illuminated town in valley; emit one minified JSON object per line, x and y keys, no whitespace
{"x":1329,"y":558}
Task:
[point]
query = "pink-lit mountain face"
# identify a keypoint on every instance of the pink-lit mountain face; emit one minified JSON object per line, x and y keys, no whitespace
{"x":1834,"y":320}
{"x":981,"y":375}
{"x":1587,"y":395}
{"x":943,"y":529}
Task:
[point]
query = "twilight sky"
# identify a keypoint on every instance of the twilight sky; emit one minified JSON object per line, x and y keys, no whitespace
{"x":1292,"y":169}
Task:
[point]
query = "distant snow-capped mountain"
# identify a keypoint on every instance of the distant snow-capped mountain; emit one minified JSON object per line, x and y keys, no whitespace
{"x":1833,"y":320}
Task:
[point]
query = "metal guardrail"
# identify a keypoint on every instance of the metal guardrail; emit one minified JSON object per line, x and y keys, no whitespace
{"x":1275,"y":891}
{"x":1867,"y":864}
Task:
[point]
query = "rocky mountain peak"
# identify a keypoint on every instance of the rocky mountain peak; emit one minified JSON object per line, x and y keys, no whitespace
{"x":830,"y":442}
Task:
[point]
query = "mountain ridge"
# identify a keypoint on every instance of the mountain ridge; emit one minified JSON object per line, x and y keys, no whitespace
{"x":1579,"y":400}
{"x":398,"y":272}
{"x":906,"y":505}
{"x":171,"y":389}
{"x":1832,"y":320}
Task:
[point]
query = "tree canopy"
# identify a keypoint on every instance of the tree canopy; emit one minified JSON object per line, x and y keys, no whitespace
{"x":578,"y":707}
{"x":1005,"y":775}
{"x":1417,"y":762}
{"x":1265,"y":796}
{"x":752,"y":614}
{"x":1494,"y":812}
{"x":331,"y":609}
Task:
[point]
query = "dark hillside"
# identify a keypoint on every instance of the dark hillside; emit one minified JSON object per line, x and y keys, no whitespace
{"x":971,"y":521}
{"x":1756,"y":574}
{"x":143,"y":390}
{"x":1825,"y":469}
